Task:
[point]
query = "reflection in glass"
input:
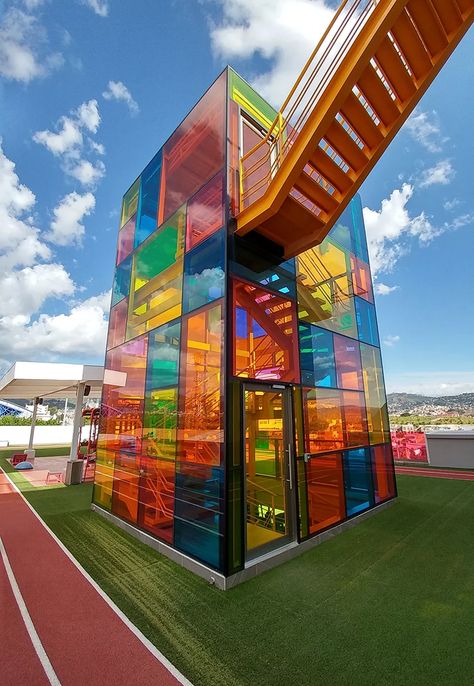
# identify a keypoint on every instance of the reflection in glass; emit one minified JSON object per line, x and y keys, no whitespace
{"x":205,"y":212}
{"x":204,"y":276}
{"x":121,"y":287}
{"x":265,"y":468}
{"x":317,"y":356}
{"x":265,"y":341}
{"x":130,"y":202}
{"x":125,"y":240}
{"x":201,"y":431}
{"x":348,"y":364}
{"x":325,"y":491}
{"x":323,"y":420}
{"x":117,"y":324}
{"x":383,"y":472}
{"x":148,"y":205}
{"x":366,"y":322}
{"x":195,"y":151}
{"x":357,"y":480}
{"x":375,"y":398}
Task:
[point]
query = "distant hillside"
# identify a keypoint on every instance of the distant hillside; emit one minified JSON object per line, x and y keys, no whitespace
{"x":426,"y":405}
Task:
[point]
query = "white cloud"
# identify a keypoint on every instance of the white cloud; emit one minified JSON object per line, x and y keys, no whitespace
{"x":390,"y":341}
{"x":442,"y":173}
{"x":28,"y":280}
{"x":30,"y":288}
{"x":100,"y":7}
{"x":87,"y":173}
{"x":283,"y":31}
{"x":68,"y":143}
{"x":450,"y":205}
{"x":68,"y":138}
{"x":389,"y":229}
{"x":22,"y":41}
{"x":20,"y":242}
{"x":424,"y":127}
{"x":81,"y":332}
{"x":116,"y":90}
{"x":67,"y":227}
{"x":88,"y":115}
{"x":383,"y":289}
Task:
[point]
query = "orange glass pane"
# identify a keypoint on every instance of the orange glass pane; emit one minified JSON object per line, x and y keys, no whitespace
{"x":117,"y":324}
{"x":383,"y":472}
{"x":125,"y":488}
{"x":205,"y":212}
{"x":355,"y":419}
{"x":103,"y":478}
{"x":200,"y":421}
{"x":265,"y":341}
{"x":323,"y":420}
{"x":156,"y":501}
{"x":348,"y":363}
{"x":195,"y":152}
{"x":122,"y":406}
{"x":361,"y":281}
{"x":125,"y":240}
{"x":325,"y":489}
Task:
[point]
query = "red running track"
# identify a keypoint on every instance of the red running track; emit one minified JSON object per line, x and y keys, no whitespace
{"x":85,"y":639}
{"x":436,"y":473}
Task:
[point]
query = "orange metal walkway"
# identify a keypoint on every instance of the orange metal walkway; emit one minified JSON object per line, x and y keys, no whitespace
{"x":373,"y":64}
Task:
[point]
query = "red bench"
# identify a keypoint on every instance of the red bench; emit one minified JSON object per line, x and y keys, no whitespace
{"x":16,"y":458}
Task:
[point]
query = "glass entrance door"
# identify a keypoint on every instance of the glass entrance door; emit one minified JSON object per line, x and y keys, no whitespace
{"x":269,"y":487}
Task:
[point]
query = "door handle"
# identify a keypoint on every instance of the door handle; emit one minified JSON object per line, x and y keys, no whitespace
{"x":290,"y":466}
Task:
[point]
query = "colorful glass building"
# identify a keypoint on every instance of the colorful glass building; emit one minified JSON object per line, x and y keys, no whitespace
{"x":253,"y":417}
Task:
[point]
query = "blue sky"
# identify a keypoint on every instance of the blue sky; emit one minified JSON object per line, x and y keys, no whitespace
{"x":90,"y":89}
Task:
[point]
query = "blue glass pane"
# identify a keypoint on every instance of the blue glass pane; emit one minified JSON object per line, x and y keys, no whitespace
{"x":199,"y":512}
{"x":366,"y":322}
{"x":204,"y":276}
{"x":317,"y":356}
{"x":358,"y":480}
{"x":359,"y":241}
{"x":163,"y":356}
{"x":121,"y":287}
{"x":342,"y":230}
{"x":148,"y":203}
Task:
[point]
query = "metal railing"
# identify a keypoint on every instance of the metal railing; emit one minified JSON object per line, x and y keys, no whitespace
{"x":260,"y":164}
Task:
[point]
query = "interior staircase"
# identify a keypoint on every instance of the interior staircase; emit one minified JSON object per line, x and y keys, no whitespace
{"x":369,"y":70}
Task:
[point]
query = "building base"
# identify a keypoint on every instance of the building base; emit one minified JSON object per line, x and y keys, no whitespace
{"x":252,"y":568}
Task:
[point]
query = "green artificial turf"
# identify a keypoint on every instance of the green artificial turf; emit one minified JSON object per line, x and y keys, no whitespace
{"x":390,"y":601}
{"x":45,"y":451}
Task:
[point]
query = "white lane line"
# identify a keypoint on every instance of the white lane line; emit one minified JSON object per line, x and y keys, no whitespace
{"x":135,"y":630}
{"x":30,"y":627}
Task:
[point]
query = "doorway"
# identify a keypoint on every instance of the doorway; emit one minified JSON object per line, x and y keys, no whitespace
{"x":269,"y":469}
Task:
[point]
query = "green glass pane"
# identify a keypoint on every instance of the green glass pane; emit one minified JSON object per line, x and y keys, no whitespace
{"x":159,"y":423}
{"x":160,"y":252}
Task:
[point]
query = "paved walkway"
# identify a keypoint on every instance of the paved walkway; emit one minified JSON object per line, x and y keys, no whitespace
{"x":436,"y":473}
{"x":55,"y":626}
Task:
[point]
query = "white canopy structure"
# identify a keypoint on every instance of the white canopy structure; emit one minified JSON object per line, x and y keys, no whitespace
{"x":35,"y":380}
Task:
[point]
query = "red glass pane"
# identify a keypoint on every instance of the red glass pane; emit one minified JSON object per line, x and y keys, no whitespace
{"x":384,"y":477}
{"x":155,"y":513}
{"x":325,"y":489}
{"x":117,"y":324}
{"x":125,"y":239}
{"x":355,"y":419}
{"x":122,"y":406}
{"x":200,"y":421}
{"x":233,"y":157}
{"x":323,"y":420}
{"x":361,"y":281}
{"x":205,"y":212}
{"x":195,"y":152}
{"x":265,"y":341}
{"x":348,"y":363}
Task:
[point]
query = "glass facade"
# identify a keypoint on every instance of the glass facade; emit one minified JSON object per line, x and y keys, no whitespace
{"x":252,"y":410}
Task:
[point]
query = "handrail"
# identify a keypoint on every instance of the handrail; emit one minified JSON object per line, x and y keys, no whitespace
{"x":300,"y":102}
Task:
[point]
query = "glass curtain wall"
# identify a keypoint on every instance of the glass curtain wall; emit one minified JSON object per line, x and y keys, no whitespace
{"x":160,"y":451}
